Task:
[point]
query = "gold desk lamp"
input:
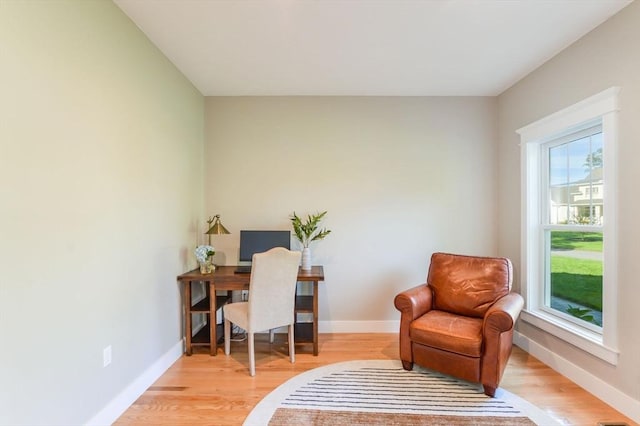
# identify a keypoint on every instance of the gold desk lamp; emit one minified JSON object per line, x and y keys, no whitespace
{"x":217,"y":228}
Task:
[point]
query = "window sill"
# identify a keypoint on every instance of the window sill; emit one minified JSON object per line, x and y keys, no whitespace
{"x":583,"y":339}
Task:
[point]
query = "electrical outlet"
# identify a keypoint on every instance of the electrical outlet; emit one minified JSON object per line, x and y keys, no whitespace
{"x":106,"y":356}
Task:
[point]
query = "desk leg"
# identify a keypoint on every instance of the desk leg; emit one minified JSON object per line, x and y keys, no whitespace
{"x":187,"y":316}
{"x":213,"y":327}
{"x":315,"y":318}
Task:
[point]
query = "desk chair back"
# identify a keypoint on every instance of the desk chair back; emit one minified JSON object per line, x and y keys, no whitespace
{"x":272,"y":288}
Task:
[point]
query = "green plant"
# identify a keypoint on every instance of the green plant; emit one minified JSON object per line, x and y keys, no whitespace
{"x":308,"y":231}
{"x":582,"y":313}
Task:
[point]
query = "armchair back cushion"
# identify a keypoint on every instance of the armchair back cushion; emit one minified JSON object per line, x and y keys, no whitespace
{"x":467,"y":285}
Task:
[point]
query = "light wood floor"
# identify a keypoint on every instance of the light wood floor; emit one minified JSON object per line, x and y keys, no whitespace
{"x":205,"y":390}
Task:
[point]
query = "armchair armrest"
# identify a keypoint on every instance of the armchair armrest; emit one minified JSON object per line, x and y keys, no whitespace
{"x":503,"y":314}
{"x":412,"y":304}
{"x":497,"y":331}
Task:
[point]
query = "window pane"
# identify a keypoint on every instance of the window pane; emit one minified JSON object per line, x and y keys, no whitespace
{"x":575,"y":182}
{"x":559,"y":185}
{"x":575,"y":284}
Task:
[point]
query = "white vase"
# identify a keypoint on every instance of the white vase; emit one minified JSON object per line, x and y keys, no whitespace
{"x":306,"y":258}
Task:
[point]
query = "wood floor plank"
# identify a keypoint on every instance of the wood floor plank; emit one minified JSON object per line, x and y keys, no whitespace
{"x":205,"y":390}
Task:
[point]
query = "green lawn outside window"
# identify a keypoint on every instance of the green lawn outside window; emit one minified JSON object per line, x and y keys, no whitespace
{"x":574,"y":279}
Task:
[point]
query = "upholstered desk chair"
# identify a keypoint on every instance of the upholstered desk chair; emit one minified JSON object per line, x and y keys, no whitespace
{"x":271,"y":303}
{"x":461,"y":321}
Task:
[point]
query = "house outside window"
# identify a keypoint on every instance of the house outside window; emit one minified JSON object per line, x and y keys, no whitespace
{"x":569,"y":271}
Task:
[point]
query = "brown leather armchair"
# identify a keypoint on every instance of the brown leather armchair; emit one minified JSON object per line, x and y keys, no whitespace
{"x":460,"y":322}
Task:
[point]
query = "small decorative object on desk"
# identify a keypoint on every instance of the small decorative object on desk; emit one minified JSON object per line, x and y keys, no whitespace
{"x":204,"y":254}
{"x":307,"y":232}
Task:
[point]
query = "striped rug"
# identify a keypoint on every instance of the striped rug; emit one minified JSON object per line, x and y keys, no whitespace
{"x":381,"y":392}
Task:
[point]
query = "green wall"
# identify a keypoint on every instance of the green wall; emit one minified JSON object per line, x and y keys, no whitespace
{"x":101,"y":175}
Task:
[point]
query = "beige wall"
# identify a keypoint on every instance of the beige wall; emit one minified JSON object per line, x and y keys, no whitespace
{"x":101,"y":142}
{"x":400,"y":178}
{"x":608,"y":56}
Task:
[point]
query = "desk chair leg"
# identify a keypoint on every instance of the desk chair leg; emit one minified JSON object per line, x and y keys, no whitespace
{"x":271,"y":333}
{"x":292,"y":347}
{"x":227,"y":336}
{"x":252,"y":355}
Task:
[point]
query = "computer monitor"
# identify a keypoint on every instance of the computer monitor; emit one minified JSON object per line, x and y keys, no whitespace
{"x":258,"y":241}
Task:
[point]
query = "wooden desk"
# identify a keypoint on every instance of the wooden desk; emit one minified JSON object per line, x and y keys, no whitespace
{"x":224,"y":278}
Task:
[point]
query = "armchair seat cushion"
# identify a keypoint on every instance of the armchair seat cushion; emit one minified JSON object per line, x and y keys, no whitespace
{"x":448,"y":332}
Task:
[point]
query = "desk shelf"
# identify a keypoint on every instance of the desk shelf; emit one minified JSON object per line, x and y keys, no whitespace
{"x":304,"y":304}
{"x":203,"y":305}
{"x":303,"y":332}
{"x":203,"y":336}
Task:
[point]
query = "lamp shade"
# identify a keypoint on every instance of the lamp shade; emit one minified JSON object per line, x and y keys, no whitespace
{"x":217,"y":227}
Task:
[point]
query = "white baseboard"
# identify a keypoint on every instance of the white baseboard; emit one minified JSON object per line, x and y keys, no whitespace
{"x":353,"y":327}
{"x":596,"y":386}
{"x":358,"y":326}
{"x":124,"y":399}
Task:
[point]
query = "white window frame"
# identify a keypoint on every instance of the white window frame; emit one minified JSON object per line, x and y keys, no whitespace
{"x":600,"y":108}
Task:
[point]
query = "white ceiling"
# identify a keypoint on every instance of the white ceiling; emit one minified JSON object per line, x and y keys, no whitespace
{"x":363,"y":47}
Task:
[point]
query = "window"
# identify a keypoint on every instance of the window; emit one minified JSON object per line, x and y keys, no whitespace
{"x":568,"y":248}
{"x":572,"y":228}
